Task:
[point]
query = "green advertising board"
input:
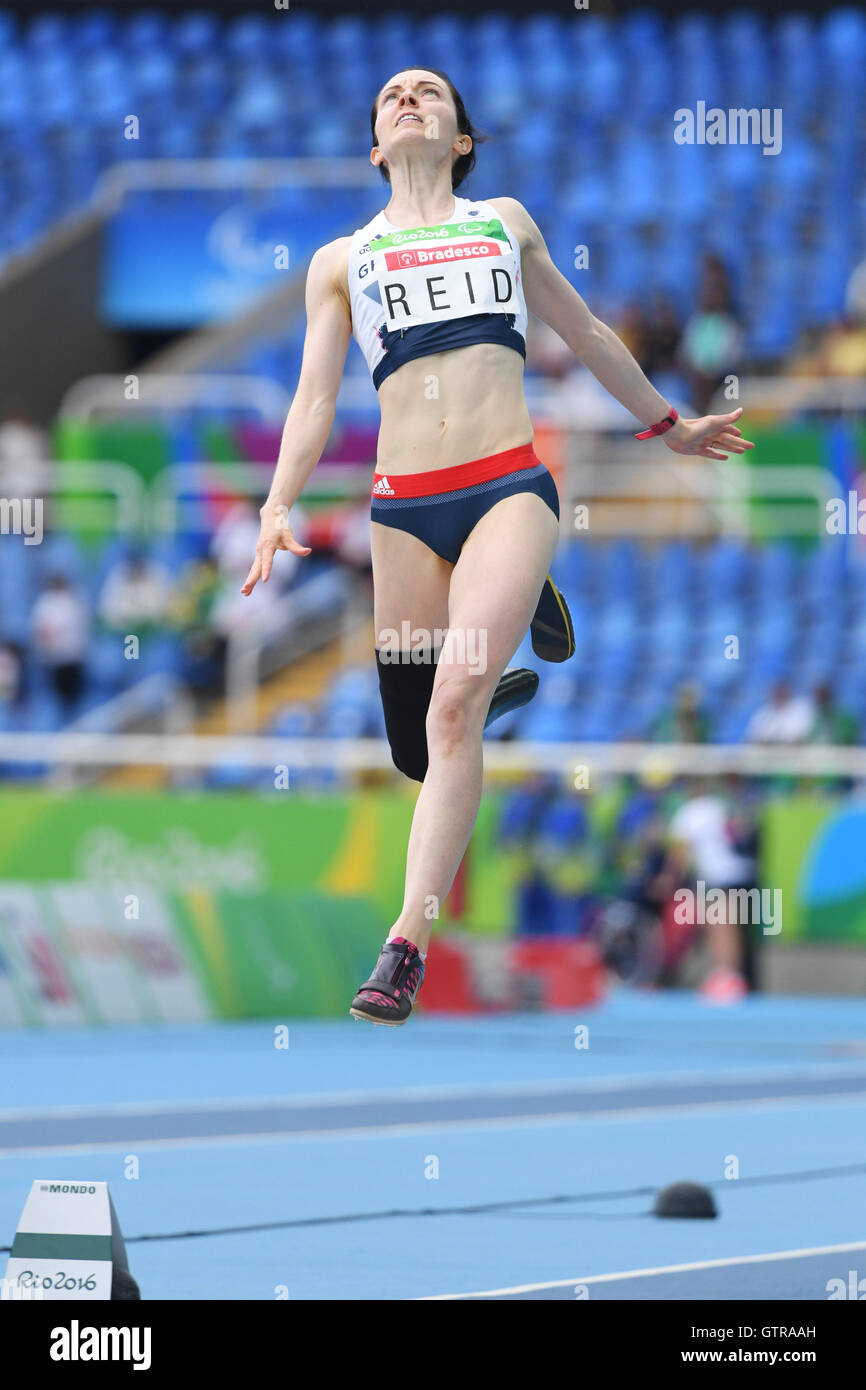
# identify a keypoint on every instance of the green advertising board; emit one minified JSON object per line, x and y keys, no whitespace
{"x":814,"y":850}
{"x":126,"y":907}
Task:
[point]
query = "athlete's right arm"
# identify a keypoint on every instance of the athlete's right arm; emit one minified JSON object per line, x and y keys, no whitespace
{"x":311,"y":415}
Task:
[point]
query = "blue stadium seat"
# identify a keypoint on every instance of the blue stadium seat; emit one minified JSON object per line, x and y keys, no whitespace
{"x":147,"y":30}
{"x":248,"y":37}
{"x":196,"y":33}
{"x":292,"y":721}
{"x":343,"y":721}
{"x":107,"y":664}
{"x":242,"y":87}
{"x":564,"y":823}
{"x":232,"y":775}
{"x":545,"y":725}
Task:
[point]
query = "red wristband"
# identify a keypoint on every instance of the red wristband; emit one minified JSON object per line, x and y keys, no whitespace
{"x":661,"y":428}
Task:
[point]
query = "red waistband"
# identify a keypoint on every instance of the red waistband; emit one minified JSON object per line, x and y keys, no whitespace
{"x":450,"y":479}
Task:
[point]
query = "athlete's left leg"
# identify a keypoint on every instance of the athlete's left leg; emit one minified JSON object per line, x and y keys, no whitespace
{"x":494,"y":590}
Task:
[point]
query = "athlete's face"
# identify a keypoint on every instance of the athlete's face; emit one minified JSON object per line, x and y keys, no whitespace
{"x":414,"y":106}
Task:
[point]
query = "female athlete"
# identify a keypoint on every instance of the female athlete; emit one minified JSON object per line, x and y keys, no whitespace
{"x":464,"y":516}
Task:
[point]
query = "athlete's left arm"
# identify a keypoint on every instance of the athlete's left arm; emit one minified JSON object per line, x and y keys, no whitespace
{"x":552,"y":298}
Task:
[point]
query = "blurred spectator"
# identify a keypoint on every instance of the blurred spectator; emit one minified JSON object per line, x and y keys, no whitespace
{"x":803,"y":357}
{"x":712,"y":343}
{"x":685,"y":722}
{"x":234,"y":542}
{"x":576,"y":397}
{"x":24,"y":455}
{"x":233,"y":548}
{"x":234,"y":539}
{"x":744,"y":833}
{"x":783,"y":719}
{"x":354,"y":543}
{"x":842,"y":351}
{"x":135,"y":595}
{"x":855,"y":294}
{"x":60,"y":628}
{"x":701,"y":830}
{"x":567,"y":856}
{"x":832,"y":723}
{"x":10,"y":673}
{"x":520,"y":816}
{"x":191,"y":612}
{"x":632,"y":940}
{"x":653,"y":334}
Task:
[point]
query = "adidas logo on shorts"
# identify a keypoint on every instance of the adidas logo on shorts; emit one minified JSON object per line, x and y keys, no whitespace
{"x":383,"y":488}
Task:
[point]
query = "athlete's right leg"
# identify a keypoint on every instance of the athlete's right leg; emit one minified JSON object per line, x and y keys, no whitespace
{"x":410,"y":612}
{"x":411,"y":586}
{"x":410,"y":605}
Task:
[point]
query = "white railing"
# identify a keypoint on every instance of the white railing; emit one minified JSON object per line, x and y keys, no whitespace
{"x":157,"y":694}
{"x":361,"y":755}
{"x":157,"y":700}
{"x":656,"y":498}
{"x":197,"y":480}
{"x":125,"y":485}
{"x":247,"y":644}
{"x":661,"y":496}
{"x":107,"y":395}
{"x":646,"y":501}
{"x":174,"y":487}
{"x":263,"y":174}
{"x":794,"y":394}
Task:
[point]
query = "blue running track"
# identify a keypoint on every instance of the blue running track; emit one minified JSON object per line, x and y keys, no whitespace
{"x":461,"y":1157}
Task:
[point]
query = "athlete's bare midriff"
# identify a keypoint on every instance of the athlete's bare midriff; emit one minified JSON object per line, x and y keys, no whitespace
{"x":452,"y":407}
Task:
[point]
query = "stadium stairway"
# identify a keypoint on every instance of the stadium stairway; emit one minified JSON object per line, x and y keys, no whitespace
{"x":305,"y":681}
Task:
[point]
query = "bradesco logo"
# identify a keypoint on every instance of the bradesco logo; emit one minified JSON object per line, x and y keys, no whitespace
{"x":67,"y":1187}
{"x":435,"y":255}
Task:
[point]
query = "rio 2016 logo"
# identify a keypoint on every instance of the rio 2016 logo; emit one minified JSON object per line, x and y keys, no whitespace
{"x":422,"y":234}
{"x":61,"y":1280}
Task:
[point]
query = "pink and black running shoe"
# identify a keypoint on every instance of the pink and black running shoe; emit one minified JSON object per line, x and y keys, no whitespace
{"x":387,"y":997}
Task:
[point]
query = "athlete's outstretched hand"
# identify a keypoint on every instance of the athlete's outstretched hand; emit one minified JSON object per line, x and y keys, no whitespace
{"x":275,"y":534}
{"x":712,"y":437}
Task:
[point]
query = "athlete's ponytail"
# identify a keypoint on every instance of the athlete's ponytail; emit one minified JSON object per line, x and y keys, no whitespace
{"x":465,"y":163}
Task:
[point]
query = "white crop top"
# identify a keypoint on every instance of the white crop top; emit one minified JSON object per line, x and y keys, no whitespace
{"x":419,"y":290}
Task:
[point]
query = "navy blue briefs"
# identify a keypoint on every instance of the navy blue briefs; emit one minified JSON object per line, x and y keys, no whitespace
{"x":442,"y":506}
